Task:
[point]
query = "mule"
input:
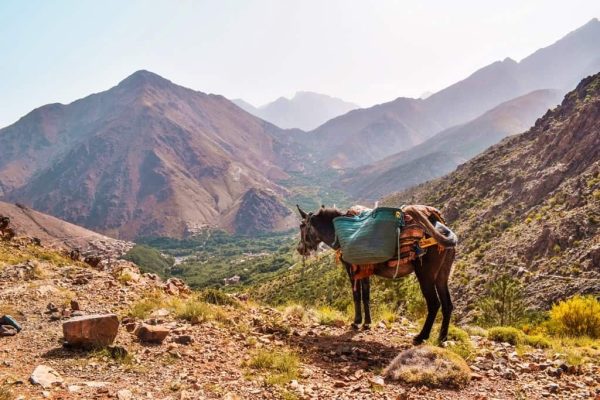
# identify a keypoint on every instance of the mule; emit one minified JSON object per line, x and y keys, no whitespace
{"x":432,"y":269}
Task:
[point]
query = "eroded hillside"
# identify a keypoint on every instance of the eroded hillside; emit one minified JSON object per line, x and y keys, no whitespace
{"x":529,"y":206}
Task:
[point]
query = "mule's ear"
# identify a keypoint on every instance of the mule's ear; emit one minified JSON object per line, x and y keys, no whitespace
{"x":302,"y":213}
{"x":322,"y":205}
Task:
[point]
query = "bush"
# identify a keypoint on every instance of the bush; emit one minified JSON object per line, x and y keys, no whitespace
{"x":217,"y":297}
{"x":577,"y":316}
{"x":151,"y":301}
{"x":503,"y":304}
{"x":474,"y":330}
{"x":430,"y":366}
{"x":537,"y":341}
{"x":330,"y":316}
{"x":506,"y":334}
{"x":296,"y":311}
{"x":462,"y":342}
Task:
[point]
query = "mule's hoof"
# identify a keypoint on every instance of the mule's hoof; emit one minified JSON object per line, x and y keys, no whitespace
{"x":442,"y":342}
{"x":366,"y":327}
{"x":417,"y":340}
{"x":354,"y":326}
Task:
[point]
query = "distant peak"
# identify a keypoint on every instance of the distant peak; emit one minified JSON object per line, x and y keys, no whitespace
{"x":144,"y":77}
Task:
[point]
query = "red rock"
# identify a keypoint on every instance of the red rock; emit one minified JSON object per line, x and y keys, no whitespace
{"x":151,"y":333}
{"x":91,"y":330}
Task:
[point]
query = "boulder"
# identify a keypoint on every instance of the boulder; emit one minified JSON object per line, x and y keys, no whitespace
{"x":151,"y":333}
{"x":45,"y":376}
{"x":91,"y":330}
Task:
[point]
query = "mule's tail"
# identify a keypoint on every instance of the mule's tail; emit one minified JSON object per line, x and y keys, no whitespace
{"x":441,"y":233}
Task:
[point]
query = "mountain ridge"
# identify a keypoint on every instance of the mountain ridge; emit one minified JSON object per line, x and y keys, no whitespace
{"x":306,"y":110}
{"x":386,"y":129}
{"x":443,"y":152}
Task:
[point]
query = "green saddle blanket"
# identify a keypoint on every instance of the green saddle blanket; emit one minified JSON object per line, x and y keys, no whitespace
{"x":371,"y":237}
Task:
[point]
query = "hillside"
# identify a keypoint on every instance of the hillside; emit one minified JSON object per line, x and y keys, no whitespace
{"x":146,"y":157}
{"x":306,"y":110}
{"x":529,"y":206}
{"x":56,"y":233}
{"x":443,"y":152}
{"x":161,"y":340}
{"x":364,"y":136}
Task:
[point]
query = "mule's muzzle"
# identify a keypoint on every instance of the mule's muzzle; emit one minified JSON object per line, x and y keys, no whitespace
{"x":302,"y":249}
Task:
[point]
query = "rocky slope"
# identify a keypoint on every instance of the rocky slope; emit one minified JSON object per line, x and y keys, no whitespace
{"x":306,"y":110}
{"x":146,"y":157}
{"x":171,"y":344}
{"x":443,"y":152}
{"x":529,"y":206}
{"x":59,"y":234}
{"x":367,"y":135}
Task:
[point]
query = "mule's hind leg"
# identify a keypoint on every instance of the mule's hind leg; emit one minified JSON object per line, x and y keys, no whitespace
{"x":365,"y":288}
{"x":441,"y":285}
{"x":427,"y":284}
{"x":356,"y":295}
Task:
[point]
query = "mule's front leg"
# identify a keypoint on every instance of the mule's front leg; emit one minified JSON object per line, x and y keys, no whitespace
{"x":365,"y":289}
{"x":356,"y":295}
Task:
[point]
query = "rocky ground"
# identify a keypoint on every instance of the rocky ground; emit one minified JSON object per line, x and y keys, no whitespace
{"x":211,"y":359}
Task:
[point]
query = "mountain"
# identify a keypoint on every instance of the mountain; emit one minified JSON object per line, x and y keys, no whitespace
{"x":369,"y":134}
{"x":443,"y":152}
{"x":146,"y":157}
{"x":528,"y":206}
{"x":366,"y":135}
{"x":244,"y":105}
{"x":306,"y":110}
{"x":260,"y":211}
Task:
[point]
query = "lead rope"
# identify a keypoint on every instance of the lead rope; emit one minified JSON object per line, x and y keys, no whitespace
{"x":398,"y":230}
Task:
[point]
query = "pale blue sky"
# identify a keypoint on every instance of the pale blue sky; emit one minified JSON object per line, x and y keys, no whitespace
{"x":362,"y":51}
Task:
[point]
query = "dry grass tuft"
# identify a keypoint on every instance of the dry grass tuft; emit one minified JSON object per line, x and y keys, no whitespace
{"x":430,"y":366}
{"x":280,"y":367}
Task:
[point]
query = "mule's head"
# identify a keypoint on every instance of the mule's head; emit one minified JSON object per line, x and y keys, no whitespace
{"x":316,"y":228}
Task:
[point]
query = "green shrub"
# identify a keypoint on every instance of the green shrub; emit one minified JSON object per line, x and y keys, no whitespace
{"x":459,"y":342}
{"x":296,"y":311}
{"x":577,"y":316}
{"x":503,"y":304}
{"x":219,"y":298}
{"x":151,"y":301}
{"x":537,"y":341}
{"x":330,"y":316}
{"x":475,"y":330}
{"x":506,"y":334}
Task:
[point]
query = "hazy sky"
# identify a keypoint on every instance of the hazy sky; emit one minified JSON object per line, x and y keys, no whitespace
{"x":362,"y":51}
